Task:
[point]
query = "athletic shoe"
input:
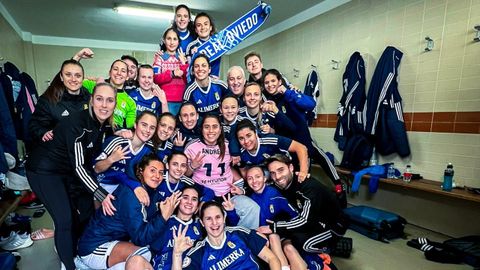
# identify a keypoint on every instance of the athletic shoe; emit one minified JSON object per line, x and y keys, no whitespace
{"x":8,"y":239}
{"x":18,"y":241}
{"x":33,"y":205}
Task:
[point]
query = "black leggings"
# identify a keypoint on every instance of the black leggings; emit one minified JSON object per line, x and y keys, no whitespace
{"x":51,"y":190}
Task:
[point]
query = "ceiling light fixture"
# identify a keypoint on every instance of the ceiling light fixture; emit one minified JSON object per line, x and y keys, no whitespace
{"x":144,"y":12}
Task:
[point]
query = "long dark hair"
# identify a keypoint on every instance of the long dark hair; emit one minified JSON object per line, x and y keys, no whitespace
{"x":144,"y":163}
{"x":204,"y":14}
{"x":190,"y":26}
{"x":56,"y":88}
{"x":165,"y":36}
{"x":221,"y":138}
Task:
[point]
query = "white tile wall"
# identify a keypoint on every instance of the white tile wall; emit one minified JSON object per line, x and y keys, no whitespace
{"x":443,"y":80}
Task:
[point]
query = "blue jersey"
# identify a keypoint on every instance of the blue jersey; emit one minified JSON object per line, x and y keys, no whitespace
{"x":164,"y":150}
{"x":268,"y":145}
{"x":273,"y":206}
{"x":187,"y":135}
{"x":277,"y":121}
{"x":238,"y":251}
{"x":229,"y":132}
{"x":215,"y":65}
{"x":185,"y":38}
{"x":151,"y":104}
{"x":122,"y":171}
{"x":167,"y":188}
{"x":163,"y":246}
{"x":260,"y":119}
{"x":206,"y":100}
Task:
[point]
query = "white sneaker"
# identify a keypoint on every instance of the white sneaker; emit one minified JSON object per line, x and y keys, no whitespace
{"x":17,"y":242}
{"x":8,"y":239}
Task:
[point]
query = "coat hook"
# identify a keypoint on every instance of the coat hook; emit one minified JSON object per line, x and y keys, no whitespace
{"x":476,"y":28}
{"x":335,"y":64}
{"x":430,"y":44}
{"x":296,"y":73}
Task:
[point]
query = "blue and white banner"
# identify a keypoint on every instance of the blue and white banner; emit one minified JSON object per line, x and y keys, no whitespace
{"x":236,"y":32}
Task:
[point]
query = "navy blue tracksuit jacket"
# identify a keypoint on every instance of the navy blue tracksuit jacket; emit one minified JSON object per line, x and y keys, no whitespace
{"x":383,"y":113}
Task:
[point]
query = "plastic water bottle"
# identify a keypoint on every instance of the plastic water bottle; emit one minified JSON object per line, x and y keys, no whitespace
{"x":407,"y":174}
{"x":391,"y":171}
{"x":374,"y":158}
{"x":448,"y":178}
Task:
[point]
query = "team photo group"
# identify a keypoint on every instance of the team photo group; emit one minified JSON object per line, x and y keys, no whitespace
{"x":165,"y":166}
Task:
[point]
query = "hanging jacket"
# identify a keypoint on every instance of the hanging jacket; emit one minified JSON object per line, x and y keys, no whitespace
{"x":10,"y":81}
{"x":8,"y":138}
{"x":312,"y":89}
{"x":26,"y":101}
{"x":352,"y":102}
{"x":383,"y":113}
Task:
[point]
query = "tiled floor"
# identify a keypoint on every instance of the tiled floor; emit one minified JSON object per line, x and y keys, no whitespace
{"x":367,"y":254}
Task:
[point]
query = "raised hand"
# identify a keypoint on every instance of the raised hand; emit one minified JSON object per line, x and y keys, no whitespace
{"x":158,"y":92}
{"x":182,"y":57}
{"x":84,"y":53}
{"x":197,"y":161}
{"x":235,"y":190}
{"x":169,"y":204}
{"x":119,"y":154}
{"x":179,"y":140}
{"x":181,"y":242}
{"x":227,"y":203}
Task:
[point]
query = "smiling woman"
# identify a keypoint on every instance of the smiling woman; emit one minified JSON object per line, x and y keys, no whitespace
{"x":231,"y":247}
{"x":205,"y":91}
{"x":59,"y":176}
{"x":117,"y":161}
{"x":104,"y":240}
{"x":64,"y":96}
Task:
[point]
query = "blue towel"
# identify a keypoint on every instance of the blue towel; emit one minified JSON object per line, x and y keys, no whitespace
{"x":377,"y":170}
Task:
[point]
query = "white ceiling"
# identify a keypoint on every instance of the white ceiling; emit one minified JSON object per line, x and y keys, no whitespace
{"x":96,"y":20}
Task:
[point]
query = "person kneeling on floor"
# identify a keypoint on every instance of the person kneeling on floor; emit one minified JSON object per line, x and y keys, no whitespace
{"x":320,"y":221}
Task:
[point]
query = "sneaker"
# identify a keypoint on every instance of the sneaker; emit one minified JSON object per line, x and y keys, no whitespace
{"x":33,"y":205}
{"x":17,"y":242}
{"x":8,"y":239}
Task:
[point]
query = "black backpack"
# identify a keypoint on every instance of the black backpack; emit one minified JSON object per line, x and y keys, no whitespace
{"x":358,"y":151}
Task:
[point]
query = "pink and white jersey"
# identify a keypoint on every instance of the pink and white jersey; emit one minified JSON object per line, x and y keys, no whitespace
{"x":215,"y":174}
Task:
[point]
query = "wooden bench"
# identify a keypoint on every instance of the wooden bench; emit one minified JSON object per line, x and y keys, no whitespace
{"x":423,"y":185}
